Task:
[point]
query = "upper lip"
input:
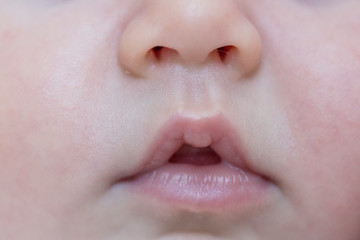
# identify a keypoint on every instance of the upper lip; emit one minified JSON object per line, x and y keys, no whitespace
{"x":215,"y":132}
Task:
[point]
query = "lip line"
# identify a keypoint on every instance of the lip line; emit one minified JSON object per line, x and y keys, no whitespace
{"x":214,"y":131}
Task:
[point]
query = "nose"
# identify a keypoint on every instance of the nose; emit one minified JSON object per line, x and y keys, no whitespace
{"x":192,"y":33}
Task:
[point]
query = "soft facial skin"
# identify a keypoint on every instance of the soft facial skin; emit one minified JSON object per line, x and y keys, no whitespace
{"x":85,"y":88}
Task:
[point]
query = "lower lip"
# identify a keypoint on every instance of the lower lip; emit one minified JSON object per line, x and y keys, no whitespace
{"x":202,"y":188}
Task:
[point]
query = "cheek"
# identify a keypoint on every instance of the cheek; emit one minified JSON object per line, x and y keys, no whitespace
{"x":60,"y":104}
{"x":319,"y":91}
{"x":322,"y":101}
{"x":46,"y":137}
{"x":315,"y":74}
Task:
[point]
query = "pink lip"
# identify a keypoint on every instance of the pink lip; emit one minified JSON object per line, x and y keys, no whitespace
{"x":228,"y":183}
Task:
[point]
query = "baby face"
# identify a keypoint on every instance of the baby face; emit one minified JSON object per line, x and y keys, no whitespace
{"x":181,"y":119}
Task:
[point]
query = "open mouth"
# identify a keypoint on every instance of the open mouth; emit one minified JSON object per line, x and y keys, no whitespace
{"x":198,"y":165}
{"x":195,"y":156}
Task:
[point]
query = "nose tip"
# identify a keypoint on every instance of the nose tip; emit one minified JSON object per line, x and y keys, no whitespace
{"x":190,"y":32}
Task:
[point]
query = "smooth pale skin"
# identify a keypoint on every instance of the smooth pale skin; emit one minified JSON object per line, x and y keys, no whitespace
{"x":82,"y":98}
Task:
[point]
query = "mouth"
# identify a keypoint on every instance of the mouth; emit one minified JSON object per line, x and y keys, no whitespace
{"x":200,"y":165}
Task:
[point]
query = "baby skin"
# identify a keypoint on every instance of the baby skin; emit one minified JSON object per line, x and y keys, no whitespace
{"x":180,"y":119}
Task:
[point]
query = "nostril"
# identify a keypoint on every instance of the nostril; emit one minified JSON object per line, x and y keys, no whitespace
{"x":157,"y":52}
{"x":226,"y":53}
{"x":161,"y":53}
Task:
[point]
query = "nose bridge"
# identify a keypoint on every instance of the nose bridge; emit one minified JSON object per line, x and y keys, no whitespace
{"x":190,"y":31}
